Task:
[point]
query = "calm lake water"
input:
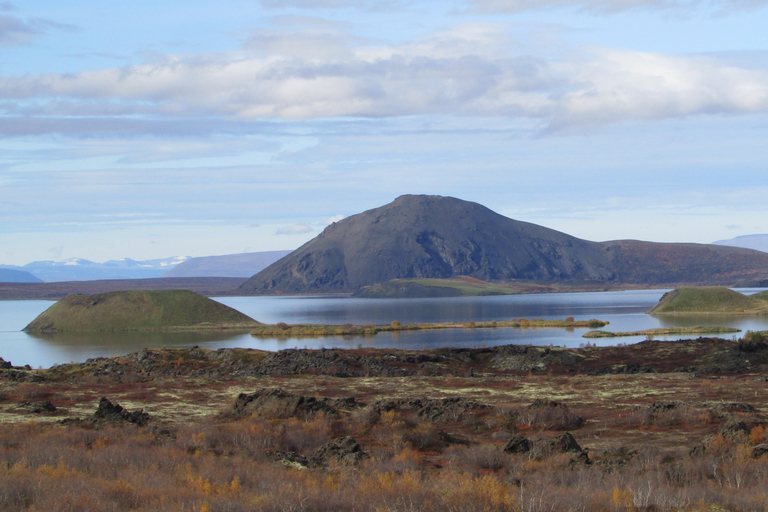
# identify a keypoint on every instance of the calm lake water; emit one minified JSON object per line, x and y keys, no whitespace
{"x":624,"y":310}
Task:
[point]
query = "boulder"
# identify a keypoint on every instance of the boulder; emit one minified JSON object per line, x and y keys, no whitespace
{"x":564,"y":443}
{"x":518,"y":444}
{"x":108,"y":412}
{"x":277,"y":403}
{"x":39,"y":407}
{"x":343,"y":450}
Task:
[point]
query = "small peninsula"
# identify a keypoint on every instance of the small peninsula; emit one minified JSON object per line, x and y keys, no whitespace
{"x":710,"y":300}
{"x":138,"y":310}
{"x":288,"y":330}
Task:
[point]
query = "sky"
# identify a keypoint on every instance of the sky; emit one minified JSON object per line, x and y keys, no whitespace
{"x":149,"y":129}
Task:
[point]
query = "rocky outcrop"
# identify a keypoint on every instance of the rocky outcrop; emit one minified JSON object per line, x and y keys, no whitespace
{"x":565,"y":444}
{"x":39,"y":407}
{"x":529,"y":358}
{"x":434,"y":410}
{"x":518,"y":444}
{"x":277,"y":403}
{"x":107,"y":412}
{"x":343,"y":451}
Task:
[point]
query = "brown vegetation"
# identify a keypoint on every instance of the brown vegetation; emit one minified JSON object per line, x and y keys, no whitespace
{"x":501,"y":440}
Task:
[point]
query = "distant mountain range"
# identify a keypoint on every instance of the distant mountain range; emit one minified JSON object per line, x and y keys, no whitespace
{"x":757,"y":242}
{"x":233,"y":265}
{"x":444,"y":237}
{"x":76,"y":269}
{"x":10,"y":275}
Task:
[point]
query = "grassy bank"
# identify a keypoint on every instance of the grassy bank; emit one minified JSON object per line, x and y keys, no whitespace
{"x":663,"y":331}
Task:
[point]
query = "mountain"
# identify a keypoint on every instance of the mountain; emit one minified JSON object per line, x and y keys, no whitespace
{"x":444,"y":237}
{"x":77,"y":269}
{"x":233,"y":265}
{"x":757,"y":242}
{"x":10,"y":275}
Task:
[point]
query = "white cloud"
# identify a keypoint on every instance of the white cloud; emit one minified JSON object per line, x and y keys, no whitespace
{"x":17,"y":31}
{"x":622,"y":85}
{"x":463,"y":71}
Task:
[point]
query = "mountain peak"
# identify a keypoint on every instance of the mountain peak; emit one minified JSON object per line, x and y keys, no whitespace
{"x":425,"y":236}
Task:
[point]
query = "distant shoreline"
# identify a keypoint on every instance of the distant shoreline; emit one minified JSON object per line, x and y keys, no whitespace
{"x":209,"y":286}
{"x":228,"y":287}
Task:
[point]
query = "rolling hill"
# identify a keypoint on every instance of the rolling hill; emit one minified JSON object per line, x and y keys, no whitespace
{"x":711,"y":299}
{"x":418,"y":236}
{"x":138,"y":310}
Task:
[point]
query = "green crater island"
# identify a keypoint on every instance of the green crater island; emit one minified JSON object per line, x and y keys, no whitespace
{"x":139,"y":310}
{"x":710,"y":300}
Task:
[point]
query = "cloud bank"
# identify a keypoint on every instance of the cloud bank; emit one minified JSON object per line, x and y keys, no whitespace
{"x":464,"y":71}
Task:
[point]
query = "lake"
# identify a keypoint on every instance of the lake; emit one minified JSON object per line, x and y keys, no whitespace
{"x":624,"y":310}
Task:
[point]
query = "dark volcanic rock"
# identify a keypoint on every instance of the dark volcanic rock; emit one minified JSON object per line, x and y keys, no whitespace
{"x":343,"y":450}
{"x":444,"y":237}
{"x":40,"y":407}
{"x":276,"y":403}
{"x":528,"y":358}
{"x":564,"y":443}
{"x":518,"y":444}
{"x":329,"y":362}
{"x":435,"y":410}
{"x":108,"y":412}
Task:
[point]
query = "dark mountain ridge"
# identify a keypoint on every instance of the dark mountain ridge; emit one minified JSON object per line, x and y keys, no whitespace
{"x":444,"y":237}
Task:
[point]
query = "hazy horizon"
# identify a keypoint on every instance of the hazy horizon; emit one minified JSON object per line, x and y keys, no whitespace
{"x":154,"y":129}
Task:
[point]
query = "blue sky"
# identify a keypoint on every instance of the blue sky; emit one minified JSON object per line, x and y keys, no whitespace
{"x":151,"y":129}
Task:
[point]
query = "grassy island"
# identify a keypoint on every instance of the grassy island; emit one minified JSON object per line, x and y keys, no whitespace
{"x":287,"y":330}
{"x":138,"y":310}
{"x":710,"y":300}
